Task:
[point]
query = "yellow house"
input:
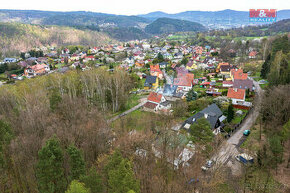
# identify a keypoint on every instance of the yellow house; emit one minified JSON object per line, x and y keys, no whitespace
{"x":151,"y":82}
{"x":221,"y":64}
{"x":191,"y":65}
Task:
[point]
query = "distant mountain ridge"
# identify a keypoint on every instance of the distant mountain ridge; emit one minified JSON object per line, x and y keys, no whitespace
{"x":16,"y":37}
{"x":124,"y":28}
{"x":214,"y":19}
{"x":167,"y":25}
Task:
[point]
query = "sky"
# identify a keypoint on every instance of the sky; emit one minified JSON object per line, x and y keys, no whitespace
{"x":134,"y":7}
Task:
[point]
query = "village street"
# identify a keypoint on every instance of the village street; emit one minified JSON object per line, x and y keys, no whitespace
{"x":230,"y":148}
{"x":167,"y":78}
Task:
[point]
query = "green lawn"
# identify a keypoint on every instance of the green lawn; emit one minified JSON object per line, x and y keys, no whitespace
{"x":137,"y":120}
{"x":238,"y":119}
{"x":264,"y":86}
{"x":252,"y":140}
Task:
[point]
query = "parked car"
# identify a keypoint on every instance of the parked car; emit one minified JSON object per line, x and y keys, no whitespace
{"x":245,"y":158}
{"x":207,"y":165}
{"x":246,"y":132}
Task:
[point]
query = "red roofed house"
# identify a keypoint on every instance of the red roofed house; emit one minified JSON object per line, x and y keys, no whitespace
{"x":228,"y":84}
{"x":155,"y":71}
{"x":89,"y":58}
{"x":37,"y":69}
{"x":237,"y":95}
{"x":184,"y":82}
{"x":253,"y":54}
{"x":156,"y":102}
{"x":205,"y":84}
{"x":237,"y":74}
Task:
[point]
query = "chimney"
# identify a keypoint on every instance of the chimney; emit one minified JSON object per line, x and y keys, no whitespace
{"x":235,"y":89}
{"x":205,"y":115}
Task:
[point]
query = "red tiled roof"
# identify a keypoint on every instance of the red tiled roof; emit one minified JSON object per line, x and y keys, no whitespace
{"x":182,"y":81}
{"x":150,"y":105}
{"x":154,"y":97}
{"x":236,"y":93}
{"x":155,"y":68}
{"x":238,"y":74}
{"x":227,"y":82}
{"x":205,"y":83}
{"x":253,"y":53}
{"x":173,"y":65}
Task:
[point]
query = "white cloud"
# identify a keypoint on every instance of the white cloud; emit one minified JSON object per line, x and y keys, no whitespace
{"x":131,"y":7}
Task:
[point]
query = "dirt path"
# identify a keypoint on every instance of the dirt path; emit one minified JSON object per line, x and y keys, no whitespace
{"x":230,"y":148}
{"x":143,"y":101}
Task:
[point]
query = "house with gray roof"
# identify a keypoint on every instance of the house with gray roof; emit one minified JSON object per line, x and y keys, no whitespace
{"x":244,"y":84}
{"x":212,"y":113}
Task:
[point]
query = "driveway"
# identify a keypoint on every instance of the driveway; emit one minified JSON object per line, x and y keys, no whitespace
{"x":167,"y":78}
{"x":230,"y":148}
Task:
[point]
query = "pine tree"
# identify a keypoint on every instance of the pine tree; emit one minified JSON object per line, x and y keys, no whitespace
{"x":76,"y":162}
{"x":77,"y":187}
{"x":93,"y":181}
{"x":191,"y":95}
{"x":231,"y":113}
{"x":120,"y":175}
{"x":50,"y":172}
{"x":266,"y":67}
{"x":160,"y":57}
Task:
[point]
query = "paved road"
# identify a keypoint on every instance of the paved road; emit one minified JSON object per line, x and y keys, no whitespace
{"x":167,"y":78}
{"x":230,"y":148}
{"x":143,"y":101}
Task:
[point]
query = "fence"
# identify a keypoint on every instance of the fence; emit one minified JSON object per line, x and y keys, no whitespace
{"x":238,"y":126}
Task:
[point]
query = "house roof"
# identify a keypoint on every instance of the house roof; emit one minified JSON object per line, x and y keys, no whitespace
{"x":212,"y":113}
{"x":155,"y":68}
{"x":189,"y":64}
{"x":154,"y":97}
{"x":150,"y":105}
{"x":205,"y":83}
{"x":150,"y":79}
{"x":183,"y":81}
{"x":169,"y":89}
{"x":225,"y":68}
{"x":253,"y":53}
{"x":228,"y":82}
{"x":235,"y":93}
{"x":244,"y":84}
{"x":238,"y":74}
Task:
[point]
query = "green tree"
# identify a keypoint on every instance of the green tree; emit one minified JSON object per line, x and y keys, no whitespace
{"x":93,"y":181}
{"x":120,"y":175}
{"x":231,"y":113}
{"x":160,"y":57}
{"x":201,"y":131}
{"x":5,"y":138}
{"x":50,"y":172}
{"x":266,"y":67}
{"x":184,"y":61}
{"x":191,"y":95}
{"x":285,"y":132}
{"x":77,"y":187}
{"x":54,"y":100}
{"x":22,"y":55}
{"x":277,"y":149}
{"x":76,"y":162}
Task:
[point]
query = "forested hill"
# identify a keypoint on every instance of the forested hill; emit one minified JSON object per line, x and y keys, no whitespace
{"x":167,"y":25}
{"x":15,"y":37}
